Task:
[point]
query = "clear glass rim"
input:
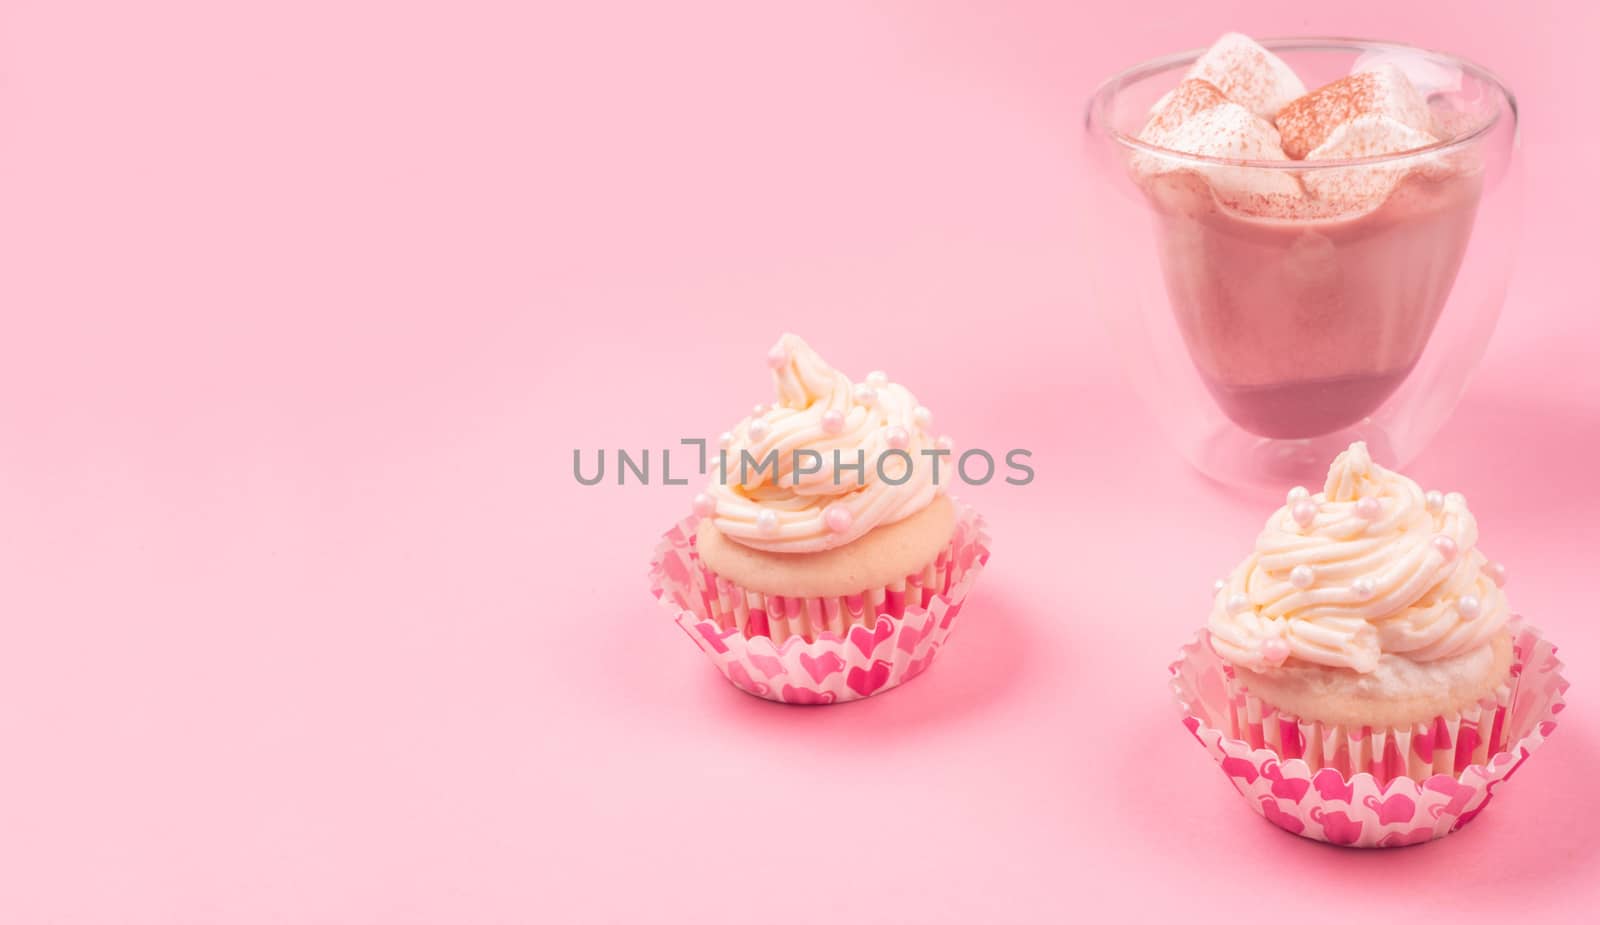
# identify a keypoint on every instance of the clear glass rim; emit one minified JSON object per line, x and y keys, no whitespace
{"x":1095,"y":120}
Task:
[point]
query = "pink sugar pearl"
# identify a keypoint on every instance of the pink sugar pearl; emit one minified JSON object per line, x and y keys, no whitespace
{"x":838,"y":518}
{"x":1446,"y":547}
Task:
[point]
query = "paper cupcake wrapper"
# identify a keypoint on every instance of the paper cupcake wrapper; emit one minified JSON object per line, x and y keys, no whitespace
{"x":1362,"y":787}
{"x":814,"y":650}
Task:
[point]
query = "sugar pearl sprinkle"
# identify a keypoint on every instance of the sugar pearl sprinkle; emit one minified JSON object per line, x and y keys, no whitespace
{"x":1218,"y":586}
{"x":945,"y":443}
{"x":1298,"y":494}
{"x":1497,"y":573}
{"x":896,"y":437}
{"x":1368,"y":509}
{"x":838,"y":518}
{"x":1274,"y":651}
{"x":767,"y":523}
{"x":1237,"y":602}
{"x":1304,"y":512}
{"x":1435,"y":501}
{"x":726,"y":440}
{"x":1469,"y":606}
{"x":865,"y":394}
{"x":705,"y":505}
{"x":759,"y":429}
{"x":1363,"y":588}
{"x":877,"y":378}
{"x":1302,"y":577}
{"x":1445,"y":546}
{"x":922,"y":417}
{"x":832,"y":421}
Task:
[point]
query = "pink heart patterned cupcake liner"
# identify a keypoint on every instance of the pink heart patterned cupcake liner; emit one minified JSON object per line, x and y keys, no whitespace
{"x":819,"y":650}
{"x":1362,"y":787}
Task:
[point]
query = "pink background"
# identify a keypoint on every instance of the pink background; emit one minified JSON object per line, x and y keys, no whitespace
{"x":305,"y":620}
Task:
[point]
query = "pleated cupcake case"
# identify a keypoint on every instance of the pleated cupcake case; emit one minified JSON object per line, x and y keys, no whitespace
{"x":816,"y":650}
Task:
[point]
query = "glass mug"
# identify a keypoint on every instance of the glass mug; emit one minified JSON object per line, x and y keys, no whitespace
{"x":1266,"y":340}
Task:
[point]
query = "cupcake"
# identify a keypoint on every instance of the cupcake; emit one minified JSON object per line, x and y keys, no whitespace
{"x":824,"y":562}
{"x":1362,"y":678}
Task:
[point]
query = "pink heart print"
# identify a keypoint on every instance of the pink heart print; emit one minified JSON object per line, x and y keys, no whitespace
{"x":1337,"y":827}
{"x":1457,"y":792}
{"x":1400,"y":839}
{"x":819,"y":667}
{"x":805,"y":695}
{"x":910,"y":636}
{"x":868,"y":640}
{"x":1422,"y":743}
{"x":675,"y":569}
{"x":1331,"y":785}
{"x":1292,"y":789}
{"x":742,"y":680}
{"x":714,"y":637}
{"x":1466,"y":744}
{"x":918,"y":666}
{"x":1398,"y":808}
{"x":1279,"y":818}
{"x":1240,"y":767}
{"x":1294,"y":743}
{"x":1390,"y":763}
{"x":866,"y":683}
{"x":769,"y":665}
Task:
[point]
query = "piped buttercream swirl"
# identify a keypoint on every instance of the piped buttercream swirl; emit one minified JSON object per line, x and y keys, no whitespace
{"x":1369,"y":566}
{"x":833,"y":489}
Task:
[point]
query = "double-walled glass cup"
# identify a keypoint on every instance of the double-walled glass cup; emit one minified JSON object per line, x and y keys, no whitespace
{"x":1272,"y":312}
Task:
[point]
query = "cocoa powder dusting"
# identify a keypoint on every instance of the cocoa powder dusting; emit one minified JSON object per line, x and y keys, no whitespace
{"x":1188,"y":99}
{"x":1306,"y":123}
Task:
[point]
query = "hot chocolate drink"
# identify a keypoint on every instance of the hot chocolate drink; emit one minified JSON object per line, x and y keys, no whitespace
{"x":1305,"y":287}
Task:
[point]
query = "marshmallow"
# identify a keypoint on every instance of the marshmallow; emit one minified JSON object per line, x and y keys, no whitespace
{"x":1189,"y":98}
{"x":1310,"y":121}
{"x":1248,"y":74}
{"x":1197,"y":118}
{"x":1428,"y":72}
{"x":1368,"y":135}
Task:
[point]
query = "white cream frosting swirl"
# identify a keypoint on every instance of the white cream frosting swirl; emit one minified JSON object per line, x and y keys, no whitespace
{"x":1369,"y":566}
{"x":818,"y":409}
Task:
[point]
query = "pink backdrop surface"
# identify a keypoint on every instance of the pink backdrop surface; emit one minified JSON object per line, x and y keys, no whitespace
{"x":306,"y":306}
